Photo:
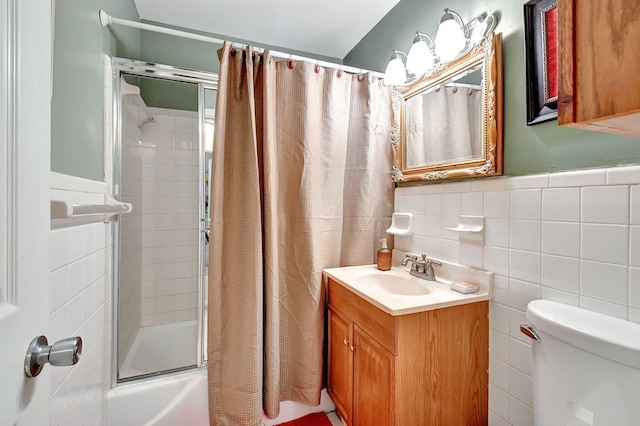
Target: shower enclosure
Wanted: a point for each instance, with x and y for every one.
(162, 158)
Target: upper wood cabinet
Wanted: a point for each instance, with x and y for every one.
(599, 65)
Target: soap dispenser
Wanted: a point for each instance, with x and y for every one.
(384, 256)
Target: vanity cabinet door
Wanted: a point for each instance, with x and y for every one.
(340, 365)
(373, 381)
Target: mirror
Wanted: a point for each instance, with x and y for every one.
(448, 124)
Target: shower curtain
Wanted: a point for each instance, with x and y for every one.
(301, 182)
(450, 119)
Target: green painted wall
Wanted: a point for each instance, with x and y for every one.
(77, 111)
(528, 149)
(185, 53)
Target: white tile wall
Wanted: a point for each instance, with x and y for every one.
(571, 237)
(169, 217)
(80, 264)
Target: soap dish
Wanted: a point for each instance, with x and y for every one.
(401, 224)
(470, 228)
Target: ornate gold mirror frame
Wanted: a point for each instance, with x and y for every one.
(485, 56)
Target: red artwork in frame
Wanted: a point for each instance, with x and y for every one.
(541, 55)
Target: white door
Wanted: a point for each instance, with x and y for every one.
(25, 115)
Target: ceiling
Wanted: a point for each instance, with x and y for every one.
(329, 28)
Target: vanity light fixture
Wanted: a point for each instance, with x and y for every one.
(421, 56)
(453, 39)
(452, 36)
(395, 74)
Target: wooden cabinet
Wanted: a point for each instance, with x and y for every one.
(426, 368)
(598, 60)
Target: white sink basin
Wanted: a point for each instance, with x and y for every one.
(397, 292)
(401, 284)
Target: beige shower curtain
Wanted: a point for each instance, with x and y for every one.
(301, 182)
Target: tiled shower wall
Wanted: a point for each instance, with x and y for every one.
(570, 237)
(169, 226)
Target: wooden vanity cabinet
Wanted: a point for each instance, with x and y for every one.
(598, 65)
(426, 368)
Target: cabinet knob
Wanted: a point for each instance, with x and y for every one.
(345, 342)
(352, 348)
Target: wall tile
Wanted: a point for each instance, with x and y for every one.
(520, 386)
(605, 204)
(605, 243)
(433, 226)
(578, 178)
(525, 235)
(451, 204)
(521, 293)
(526, 204)
(607, 308)
(561, 273)
(499, 373)
(634, 287)
(519, 413)
(496, 232)
(571, 299)
(498, 342)
(525, 266)
(635, 205)
(500, 289)
(605, 281)
(496, 204)
(623, 175)
(521, 356)
(472, 203)
(634, 246)
(585, 254)
(496, 260)
(471, 255)
(561, 238)
(561, 204)
(416, 204)
(527, 182)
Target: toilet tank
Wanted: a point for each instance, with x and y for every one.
(586, 366)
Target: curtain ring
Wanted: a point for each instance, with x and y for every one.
(232, 51)
(339, 73)
(317, 67)
(438, 89)
(455, 89)
(360, 76)
(470, 92)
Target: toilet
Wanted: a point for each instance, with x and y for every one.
(586, 366)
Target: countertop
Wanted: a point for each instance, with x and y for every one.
(441, 296)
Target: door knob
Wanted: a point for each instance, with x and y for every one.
(62, 353)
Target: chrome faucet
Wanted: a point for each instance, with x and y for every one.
(421, 268)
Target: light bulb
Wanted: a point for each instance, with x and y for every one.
(395, 74)
(420, 58)
(450, 38)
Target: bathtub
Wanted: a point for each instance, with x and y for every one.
(166, 400)
(161, 348)
(172, 400)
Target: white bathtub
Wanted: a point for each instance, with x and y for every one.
(169, 400)
(161, 348)
(173, 400)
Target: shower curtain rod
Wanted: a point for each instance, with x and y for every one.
(106, 19)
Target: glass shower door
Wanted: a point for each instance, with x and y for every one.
(162, 261)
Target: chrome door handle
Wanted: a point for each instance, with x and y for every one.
(62, 353)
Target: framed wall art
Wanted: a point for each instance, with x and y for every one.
(541, 55)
